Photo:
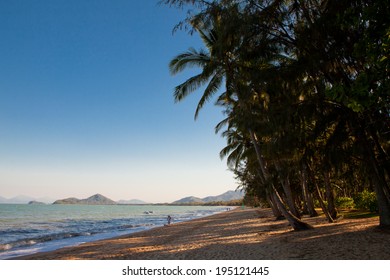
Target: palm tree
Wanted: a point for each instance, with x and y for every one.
(212, 74)
(222, 62)
(328, 84)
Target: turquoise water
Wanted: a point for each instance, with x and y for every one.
(26, 229)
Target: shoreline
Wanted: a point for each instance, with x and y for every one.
(238, 235)
(61, 226)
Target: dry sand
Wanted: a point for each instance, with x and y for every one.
(240, 235)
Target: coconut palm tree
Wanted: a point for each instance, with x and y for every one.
(225, 60)
(211, 76)
(327, 82)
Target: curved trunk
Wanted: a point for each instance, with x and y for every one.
(294, 221)
(380, 187)
(329, 196)
(383, 156)
(285, 182)
(258, 155)
(308, 198)
(319, 196)
(379, 182)
(274, 207)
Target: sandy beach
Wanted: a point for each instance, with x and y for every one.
(239, 235)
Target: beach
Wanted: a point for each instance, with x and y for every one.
(240, 234)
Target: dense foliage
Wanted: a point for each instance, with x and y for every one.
(305, 90)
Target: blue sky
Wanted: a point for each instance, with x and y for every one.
(86, 104)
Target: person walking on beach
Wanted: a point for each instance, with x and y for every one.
(169, 219)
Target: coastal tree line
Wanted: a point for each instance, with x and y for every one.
(304, 87)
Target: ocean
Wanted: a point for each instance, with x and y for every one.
(27, 229)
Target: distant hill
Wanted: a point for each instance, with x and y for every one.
(20, 199)
(132, 201)
(23, 199)
(227, 196)
(188, 199)
(96, 199)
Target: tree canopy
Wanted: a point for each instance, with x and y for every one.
(305, 90)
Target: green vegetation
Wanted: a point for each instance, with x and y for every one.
(237, 202)
(305, 89)
(358, 214)
(366, 201)
(345, 203)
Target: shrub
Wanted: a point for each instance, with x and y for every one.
(366, 201)
(345, 202)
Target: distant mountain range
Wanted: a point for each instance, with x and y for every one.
(227, 196)
(99, 199)
(23, 199)
(131, 201)
(96, 199)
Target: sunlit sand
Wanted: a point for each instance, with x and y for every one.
(240, 234)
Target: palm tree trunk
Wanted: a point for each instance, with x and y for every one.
(274, 207)
(383, 155)
(307, 197)
(319, 196)
(379, 182)
(294, 221)
(258, 155)
(285, 182)
(329, 196)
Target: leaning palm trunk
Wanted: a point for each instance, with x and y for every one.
(378, 180)
(329, 196)
(307, 197)
(285, 182)
(274, 207)
(383, 155)
(294, 221)
(319, 195)
(258, 154)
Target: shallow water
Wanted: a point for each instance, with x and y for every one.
(27, 229)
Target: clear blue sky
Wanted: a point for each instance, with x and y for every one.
(86, 104)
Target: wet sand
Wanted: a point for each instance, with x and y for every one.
(239, 235)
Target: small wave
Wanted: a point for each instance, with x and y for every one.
(5, 247)
(98, 229)
(69, 231)
(32, 241)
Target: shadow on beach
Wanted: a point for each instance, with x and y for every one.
(239, 235)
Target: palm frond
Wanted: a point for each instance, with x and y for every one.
(209, 38)
(221, 125)
(211, 89)
(189, 59)
(189, 86)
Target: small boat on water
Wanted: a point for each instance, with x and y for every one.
(148, 212)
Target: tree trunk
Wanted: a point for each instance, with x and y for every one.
(285, 182)
(379, 182)
(258, 155)
(307, 197)
(384, 157)
(329, 196)
(319, 196)
(274, 207)
(294, 221)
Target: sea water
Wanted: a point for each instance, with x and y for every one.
(27, 229)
